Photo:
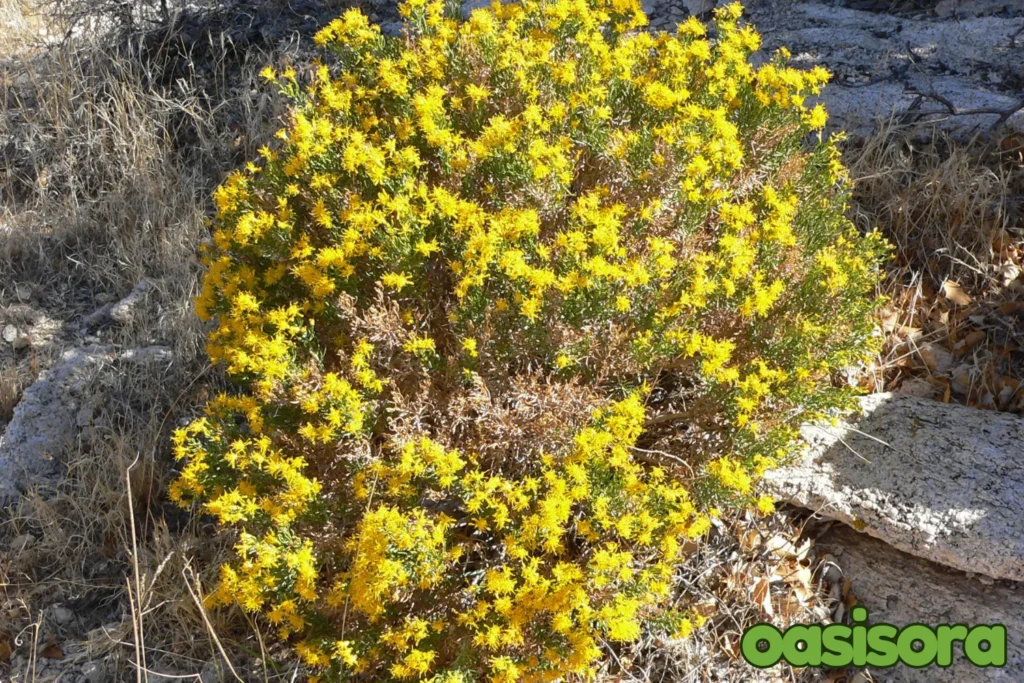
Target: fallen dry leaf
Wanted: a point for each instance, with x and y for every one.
(955, 293)
(688, 548)
(1001, 240)
(784, 548)
(761, 595)
(750, 540)
(1011, 307)
(52, 649)
(972, 339)
(889, 319)
(732, 645)
(799, 576)
(943, 387)
(927, 357)
(962, 381)
(705, 608)
(5, 649)
(849, 597)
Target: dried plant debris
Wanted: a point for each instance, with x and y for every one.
(750, 570)
(954, 324)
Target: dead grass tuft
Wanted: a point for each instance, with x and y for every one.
(954, 326)
(749, 570)
(105, 171)
(105, 175)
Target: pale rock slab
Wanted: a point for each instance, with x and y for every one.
(44, 421)
(941, 481)
(55, 408)
(900, 589)
(124, 311)
(970, 54)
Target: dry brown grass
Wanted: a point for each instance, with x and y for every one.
(21, 28)
(954, 328)
(104, 181)
(105, 171)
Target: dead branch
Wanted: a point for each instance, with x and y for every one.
(1003, 114)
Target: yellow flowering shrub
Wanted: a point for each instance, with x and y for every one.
(484, 270)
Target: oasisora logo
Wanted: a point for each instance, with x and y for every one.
(877, 645)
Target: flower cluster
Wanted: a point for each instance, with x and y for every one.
(458, 223)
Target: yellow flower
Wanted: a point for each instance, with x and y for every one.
(765, 505)
(817, 117)
(396, 281)
(730, 474)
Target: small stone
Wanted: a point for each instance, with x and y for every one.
(698, 7)
(95, 671)
(148, 355)
(469, 5)
(23, 291)
(212, 672)
(97, 317)
(831, 573)
(85, 414)
(124, 310)
(945, 8)
(21, 543)
(937, 359)
(62, 615)
(10, 333)
(915, 386)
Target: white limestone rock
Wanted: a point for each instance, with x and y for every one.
(900, 589)
(941, 481)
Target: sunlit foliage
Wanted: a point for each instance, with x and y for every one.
(452, 297)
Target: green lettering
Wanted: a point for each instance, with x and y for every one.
(810, 638)
(947, 636)
(837, 649)
(860, 646)
(995, 637)
(882, 650)
(753, 637)
(918, 633)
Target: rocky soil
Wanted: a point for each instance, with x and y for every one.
(937, 490)
(941, 488)
(958, 63)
